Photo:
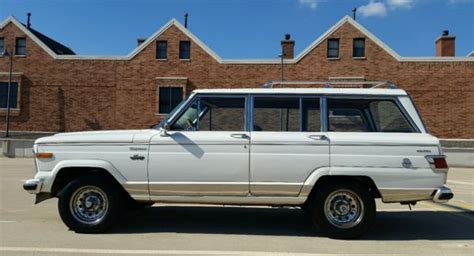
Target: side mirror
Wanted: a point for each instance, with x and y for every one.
(165, 129)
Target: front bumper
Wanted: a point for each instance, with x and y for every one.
(33, 186)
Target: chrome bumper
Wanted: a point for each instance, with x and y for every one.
(442, 194)
(33, 186)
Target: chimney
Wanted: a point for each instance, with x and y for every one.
(140, 41)
(445, 45)
(28, 20)
(287, 47)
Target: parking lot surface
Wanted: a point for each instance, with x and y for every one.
(428, 229)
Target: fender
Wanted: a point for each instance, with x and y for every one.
(100, 164)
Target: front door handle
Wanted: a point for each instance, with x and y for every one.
(240, 136)
(318, 137)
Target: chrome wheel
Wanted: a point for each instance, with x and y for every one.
(89, 204)
(343, 208)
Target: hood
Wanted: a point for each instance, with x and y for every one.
(113, 136)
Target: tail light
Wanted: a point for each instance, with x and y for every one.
(437, 162)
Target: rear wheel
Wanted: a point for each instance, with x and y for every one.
(89, 205)
(343, 210)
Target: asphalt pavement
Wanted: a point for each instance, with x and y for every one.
(428, 229)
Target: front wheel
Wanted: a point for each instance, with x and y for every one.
(89, 205)
(343, 210)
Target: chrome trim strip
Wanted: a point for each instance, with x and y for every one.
(383, 144)
(199, 188)
(230, 200)
(275, 188)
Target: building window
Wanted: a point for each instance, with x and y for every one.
(359, 48)
(184, 50)
(162, 50)
(20, 46)
(169, 98)
(13, 95)
(2, 45)
(333, 48)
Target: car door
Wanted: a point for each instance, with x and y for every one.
(287, 144)
(205, 152)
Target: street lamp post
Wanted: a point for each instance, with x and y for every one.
(10, 54)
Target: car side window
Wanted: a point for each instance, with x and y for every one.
(222, 114)
(388, 117)
(276, 114)
(366, 115)
(213, 114)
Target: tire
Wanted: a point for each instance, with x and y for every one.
(89, 204)
(342, 210)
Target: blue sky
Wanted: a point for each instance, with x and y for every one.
(245, 28)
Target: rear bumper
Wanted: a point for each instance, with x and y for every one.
(33, 186)
(441, 194)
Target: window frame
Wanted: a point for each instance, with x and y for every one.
(16, 110)
(16, 46)
(157, 49)
(338, 48)
(2, 49)
(322, 101)
(395, 99)
(158, 97)
(354, 48)
(180, 50)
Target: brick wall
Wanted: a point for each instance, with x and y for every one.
(75, 95)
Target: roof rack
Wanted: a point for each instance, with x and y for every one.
(333, 84)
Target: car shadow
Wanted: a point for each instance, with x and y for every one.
(392, 225)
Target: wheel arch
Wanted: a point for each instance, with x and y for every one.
(65, 171)
(317, 179)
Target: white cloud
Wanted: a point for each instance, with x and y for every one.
(460, 1)
(313, 4)
(373, 8)
(402, 4)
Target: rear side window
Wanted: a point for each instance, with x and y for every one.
(366, 115)
(286, 114)
(276, 114)
(388, 118)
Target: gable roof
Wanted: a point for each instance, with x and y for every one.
(52, 44)
(471, 54)
(196, 40)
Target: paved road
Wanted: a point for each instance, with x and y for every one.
(429, 229)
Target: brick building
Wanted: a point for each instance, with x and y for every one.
(56, 90)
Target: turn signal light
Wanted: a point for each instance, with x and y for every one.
(44, 155)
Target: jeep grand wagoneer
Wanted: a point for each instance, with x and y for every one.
(330, 151)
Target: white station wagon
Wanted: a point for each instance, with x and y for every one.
(331, 151)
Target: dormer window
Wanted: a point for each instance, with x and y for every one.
(333, 48)
(358, 48)
(20, 46)
(184, 50)
(161, 50)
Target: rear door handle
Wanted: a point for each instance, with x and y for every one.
(318, 137)
(240, 136)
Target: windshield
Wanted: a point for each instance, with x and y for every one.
(160, 124)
